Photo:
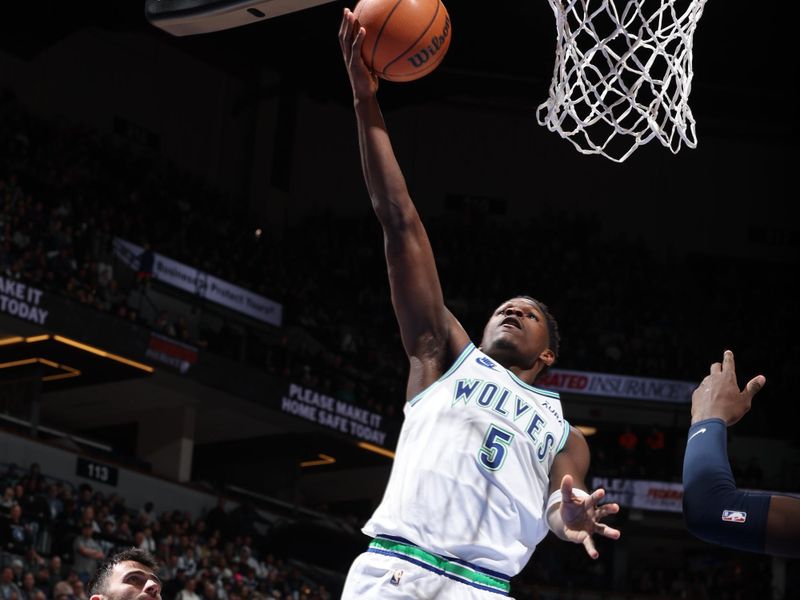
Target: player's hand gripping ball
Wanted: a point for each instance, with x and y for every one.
(406, 39)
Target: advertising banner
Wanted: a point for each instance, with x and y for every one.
(642, 494)
(22, 301)
(338, 415)
(618, 386)
(178, 355)
(204, 285)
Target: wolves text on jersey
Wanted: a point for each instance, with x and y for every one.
(504, 402)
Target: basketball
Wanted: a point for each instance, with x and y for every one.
(406, 39)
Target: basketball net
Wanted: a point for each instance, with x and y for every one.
(622, 78)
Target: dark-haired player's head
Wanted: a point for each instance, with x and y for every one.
(126, 575)
(522, 332)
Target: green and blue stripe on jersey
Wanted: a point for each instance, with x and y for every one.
(452, 568)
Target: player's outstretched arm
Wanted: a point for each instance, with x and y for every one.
(714, 509)
(573, 514)
(429, 332)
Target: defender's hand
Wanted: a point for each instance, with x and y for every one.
(718, 395)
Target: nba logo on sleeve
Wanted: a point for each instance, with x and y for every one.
(734, 516)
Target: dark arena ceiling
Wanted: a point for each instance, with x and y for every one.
(501, 53)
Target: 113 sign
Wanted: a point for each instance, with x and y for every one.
(97, 471)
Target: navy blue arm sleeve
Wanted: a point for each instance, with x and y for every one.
(714, 510)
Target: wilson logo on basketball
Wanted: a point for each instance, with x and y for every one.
(437, 41)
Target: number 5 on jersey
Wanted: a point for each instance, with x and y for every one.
(493, 452)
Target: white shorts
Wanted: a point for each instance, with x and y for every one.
(391, 571)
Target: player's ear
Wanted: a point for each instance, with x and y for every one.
(548, 357)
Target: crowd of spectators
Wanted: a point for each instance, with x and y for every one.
(53, 535)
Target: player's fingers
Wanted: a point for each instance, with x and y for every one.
(754, 386)
(566, 487)
(607, 531)
(347, 23)
(344, 30)
(588, 543)
(359, 40)
(715, 368)
(595, 497)
(606, 509)
(728, 364)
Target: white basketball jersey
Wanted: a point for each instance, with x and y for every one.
(471, 473)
